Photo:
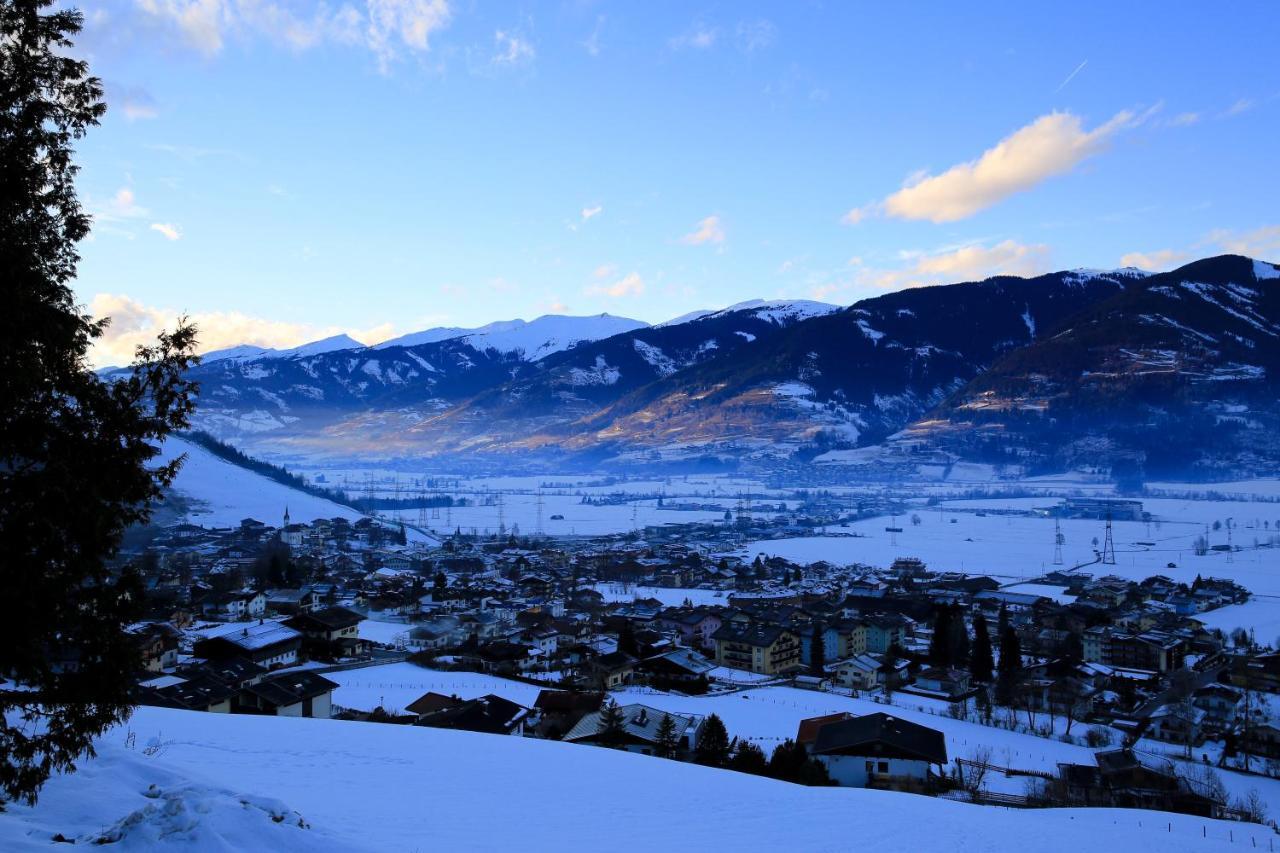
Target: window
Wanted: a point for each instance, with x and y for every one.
(884, 767)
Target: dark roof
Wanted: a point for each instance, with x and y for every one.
(489, 714)
(290, 688)
(568, 700)
(807, 733)
(329, 619)
(754, 635)
(882, 735)
(430, 702)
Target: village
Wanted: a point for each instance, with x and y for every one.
(903, 678)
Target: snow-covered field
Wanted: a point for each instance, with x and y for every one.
(213, 782)
(1013, 547)
(670, 596)
(767, 715)
(222, 494)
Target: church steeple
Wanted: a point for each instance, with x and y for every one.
(286, 517)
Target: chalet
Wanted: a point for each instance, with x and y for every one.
(677, 667)
(486, 714)
(610, 671)
(879, 750)
(293, 601)
(694, 628)
(333, 632)
(860, 672)
(1123, 778)
(289, 694)
(559, 711)
(268, 644)
(942, 683)
(883, 631)
(234, 606)
(640, 726)
(766, 649)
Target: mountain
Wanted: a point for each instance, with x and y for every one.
(534, 339)
(249, 352)
(1178, 372)
(1070, 368)
(543, 407)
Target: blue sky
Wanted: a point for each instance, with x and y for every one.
(284, 170)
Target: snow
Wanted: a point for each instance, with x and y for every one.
(222, 493)
(1020, 547)
(221, 781)
(1263, 270)
(534, 339)
(669, 596)
(1260, 615)
(1030, 321)
(330, 344)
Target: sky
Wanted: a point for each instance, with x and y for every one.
(283, 171)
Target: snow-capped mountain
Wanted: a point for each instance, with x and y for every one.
(1180, 371)
(534, 339)
(1192, 348)
(249, 352)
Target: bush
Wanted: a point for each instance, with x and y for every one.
(1098, 737)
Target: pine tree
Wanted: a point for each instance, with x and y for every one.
(748, 758)
(77, 452)
(713, 745)
(940, 642)
(667, 740)
(627, 639)
(817, 651)
(981, 661)
(1010, 666)
(611, 728)
(958, 637)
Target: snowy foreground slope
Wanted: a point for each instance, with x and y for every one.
(221, 493)
(268, 783)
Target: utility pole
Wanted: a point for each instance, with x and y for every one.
(1231, 558)
(1108, 546)
(1058, 540)
(538, 527)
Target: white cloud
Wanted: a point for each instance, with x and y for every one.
(1162, 259)
(1241, 106)
(591, 212)
(384, 27)
(134, 324)
(709, 230)
(592, 42)
(697, 37)
(511, 49)
(200, 23)
(751, 36)
(1052, 145)
(1184, 119)
(168, 230)
(1261, 243)
(966, 263)
(630, 284)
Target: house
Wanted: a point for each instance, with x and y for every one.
(268, 644)
(860, 672)
(678, 667)
(640, 726)
(558, 711)
(333, 632)
(1219, 703)
(610, 671)
(1176, 723)
(487, 714)
(807, 731)
(212, 686)
(157, 645)
(942, 683)
(292, 601)
(234, 606)
(766, 649)
(1124, 778)
(880, 750)
(289, 694)
(883, 631)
